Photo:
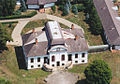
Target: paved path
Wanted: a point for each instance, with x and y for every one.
(61, 77)
(16, 34)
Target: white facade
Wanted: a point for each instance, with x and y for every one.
(57, 62)
(33, 6)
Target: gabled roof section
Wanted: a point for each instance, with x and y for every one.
(54, 34)
(39, 2)
(108, 18)
(30, 36)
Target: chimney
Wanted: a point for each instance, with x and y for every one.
(36, 41)
(76, 37)
(33, 30)
(72, 26)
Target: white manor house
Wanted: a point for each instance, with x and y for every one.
(55, 47)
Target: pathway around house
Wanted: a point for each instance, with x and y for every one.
(16, 34)
(61, 77)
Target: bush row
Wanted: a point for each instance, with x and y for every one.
(19, 16)
(10, 22)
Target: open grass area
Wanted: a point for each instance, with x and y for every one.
(9, 27)
(113, 60)
(9, 70)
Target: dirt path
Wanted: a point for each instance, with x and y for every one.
(61, 77)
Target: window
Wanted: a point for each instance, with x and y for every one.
(38, 59)
(53, 58)
(63, 64)
(76, 61)
(83, 60)
(38, 65)
(69, 57)
(83, 55)
(53, 65)
(76, 55)
(32, 66)
(32, 60)
(63, 57)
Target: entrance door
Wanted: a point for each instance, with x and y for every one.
(58, 63)
(70, 57)
(45, 59)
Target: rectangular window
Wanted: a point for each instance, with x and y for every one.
(76, 61)
(32, 66)
(63, 57)
(38, 59)
(76, 55)
(69, 57)
(53, 58)
(83, 55)
(38, 65)
(32, 60)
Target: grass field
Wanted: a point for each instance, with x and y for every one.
(9, 70)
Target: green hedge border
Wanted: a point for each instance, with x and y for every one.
(19, 16)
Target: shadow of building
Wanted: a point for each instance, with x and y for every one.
(20, 57)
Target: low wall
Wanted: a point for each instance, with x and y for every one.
(100, 48)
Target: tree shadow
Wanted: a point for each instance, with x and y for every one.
(83, 81)
(20, 58)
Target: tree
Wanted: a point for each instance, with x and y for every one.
(23, 7)
(75, 10)
(53, 8)
(7, 7)
(66, 10)
(3, 37)
(98, 72)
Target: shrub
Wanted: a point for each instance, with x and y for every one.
(66, 9)
(80, 7)
(19, 16)
(53, 8)
(17, 12)
(98, 72)
(75, 10)
(10, 22)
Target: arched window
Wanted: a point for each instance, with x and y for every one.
(38, 59)
(63, 57)
(32, 60)
(53, 58)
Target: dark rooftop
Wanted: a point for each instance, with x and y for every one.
(108, 18)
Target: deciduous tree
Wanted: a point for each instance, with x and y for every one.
(98, 72)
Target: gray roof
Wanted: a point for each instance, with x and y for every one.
(76, 45)
(36, 50)
(39, 2)
(50, 37)
(108, 18)
(30, 36)
(42, 47)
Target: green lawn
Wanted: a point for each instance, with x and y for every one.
(9, 70)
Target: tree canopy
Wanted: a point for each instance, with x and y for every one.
(3, 37)
(7, 7)
(98, 72)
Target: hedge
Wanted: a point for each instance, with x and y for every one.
(10, 22)
(19, 16)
